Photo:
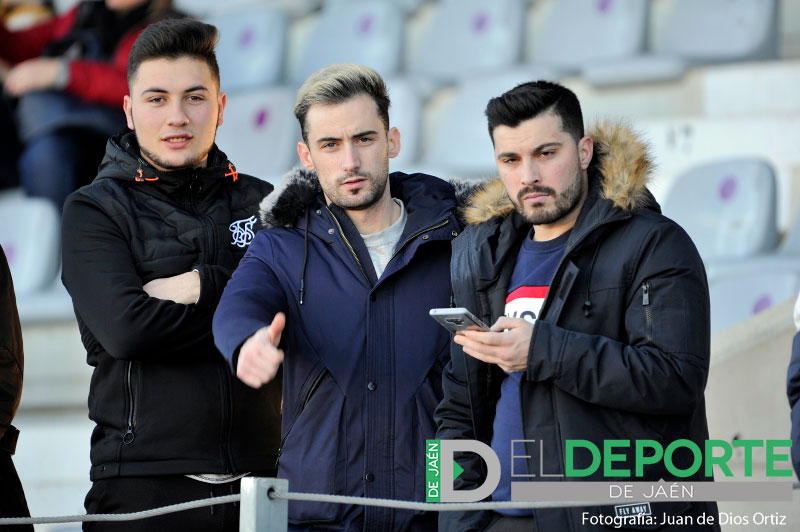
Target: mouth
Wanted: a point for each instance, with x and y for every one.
(354, 182)
(177, 141)
(534, 198)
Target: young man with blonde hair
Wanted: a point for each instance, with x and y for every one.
(338, 288)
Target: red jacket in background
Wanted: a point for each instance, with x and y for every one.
(92, 81)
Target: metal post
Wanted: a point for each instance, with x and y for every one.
(259, 513)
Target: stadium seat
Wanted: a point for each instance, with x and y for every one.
(460, 146)
(260, 132)
(467, 37)
(30, 236)
(251, 47)
(365, 32)
(404, 114)
(727, 207)
(743, 289)
(571, 34)
(692, 32)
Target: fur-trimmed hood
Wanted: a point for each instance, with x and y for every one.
(620, 157)
(300, 189)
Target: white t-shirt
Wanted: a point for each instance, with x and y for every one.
(381, 245)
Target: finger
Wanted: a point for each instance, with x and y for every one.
(276, 328)
(485, 350)
(504, 322)
(488, 338)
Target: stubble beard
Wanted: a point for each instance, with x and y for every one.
(564, 203)
(376, 186)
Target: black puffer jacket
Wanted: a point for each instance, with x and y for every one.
(620, 350)
(11, 359)
(162, 397)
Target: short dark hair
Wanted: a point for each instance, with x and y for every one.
(531, 99)
(172, 38)
(337, 84)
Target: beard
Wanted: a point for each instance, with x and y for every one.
(563, 203)
(190, 162)
(365, 197)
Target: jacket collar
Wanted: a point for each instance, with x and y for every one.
(427, 199)
(124, 162)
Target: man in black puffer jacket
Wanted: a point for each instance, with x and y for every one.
(148, 248)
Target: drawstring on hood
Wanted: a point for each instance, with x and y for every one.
(587, 305)
(305, 260)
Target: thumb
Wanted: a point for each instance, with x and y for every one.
(276, 328)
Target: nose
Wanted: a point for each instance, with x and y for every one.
(530, 172)
(350, 159)
(177, 116)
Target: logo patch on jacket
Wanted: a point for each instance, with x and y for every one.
(242, 231)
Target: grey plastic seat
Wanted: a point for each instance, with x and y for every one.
(366, 32)
(467, 37)
(727, 207)
(260, 133)
(30, 236)
(571, 34)
(251, 47)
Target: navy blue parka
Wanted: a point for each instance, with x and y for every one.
(363, 360)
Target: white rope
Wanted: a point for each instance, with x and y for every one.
(425, 506)
(163, 510)
(314, 497)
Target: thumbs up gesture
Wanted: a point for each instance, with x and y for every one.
(259, 357)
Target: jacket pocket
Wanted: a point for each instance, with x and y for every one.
(313, 453)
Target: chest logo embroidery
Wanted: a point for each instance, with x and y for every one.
(242, 231)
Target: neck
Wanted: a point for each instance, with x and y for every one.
(543, 233)
(376, 218)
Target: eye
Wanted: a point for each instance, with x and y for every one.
(156, 99)
(547, 154)
(195, 98)
(329, 145)
(364, 140)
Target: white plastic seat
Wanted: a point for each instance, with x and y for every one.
(30, 236)
(368, 33)
(727, 207)
(461, 145)
(740, 290)
(467, 37)
(693, 32)
(404, 114)
(260, 133)
(251, 47)
(571, 34)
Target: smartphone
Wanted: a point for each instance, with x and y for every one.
(457, 319)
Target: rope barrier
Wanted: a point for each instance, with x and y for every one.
(163, 510)
(313, 497)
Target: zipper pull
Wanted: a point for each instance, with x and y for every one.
(129, 436)
(645, 294)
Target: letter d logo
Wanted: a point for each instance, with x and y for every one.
(448, 447)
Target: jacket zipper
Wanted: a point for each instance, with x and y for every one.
(129, 435)
(347, 243)
(648, 310)
(415, 235)
(299, 410)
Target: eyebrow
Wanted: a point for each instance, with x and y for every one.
(159, 90)
(536, 151)
(357, 135)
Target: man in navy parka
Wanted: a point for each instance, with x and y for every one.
(338, 288)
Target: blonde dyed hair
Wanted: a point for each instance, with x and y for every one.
(337, 84)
